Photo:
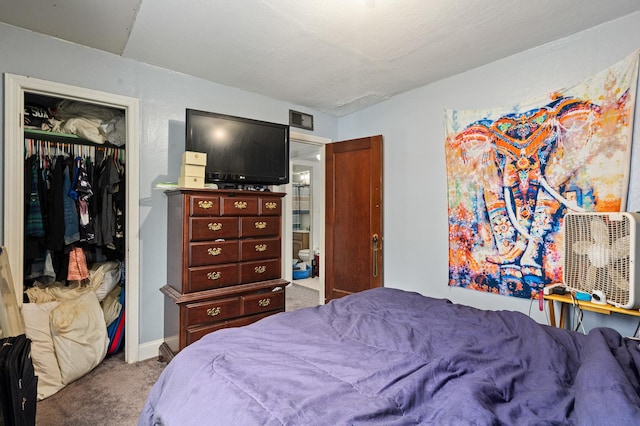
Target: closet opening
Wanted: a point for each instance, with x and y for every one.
(68, 153)
(74, 264)
(74, 185)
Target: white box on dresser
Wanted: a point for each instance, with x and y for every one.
(195, 158)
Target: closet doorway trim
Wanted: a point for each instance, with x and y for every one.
(15, 88)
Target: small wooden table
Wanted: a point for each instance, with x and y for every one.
(566, 301)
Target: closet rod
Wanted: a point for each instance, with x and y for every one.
(36, 146)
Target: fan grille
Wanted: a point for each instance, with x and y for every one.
(599, 254)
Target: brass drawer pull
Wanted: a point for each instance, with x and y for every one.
(261, 247)
(240, 205)
(214, 275)
(205, 204)
(260, 269)
(271, 205)
(264, 302)
(212, 312)
(214, 251)
(215, 226)
(261, 225)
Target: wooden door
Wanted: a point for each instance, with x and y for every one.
(353, 246)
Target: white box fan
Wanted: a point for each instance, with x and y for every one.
(600, 255)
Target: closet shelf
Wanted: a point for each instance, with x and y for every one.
(64, 138)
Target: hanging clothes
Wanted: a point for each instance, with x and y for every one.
(69, 201)
(78, 269)
(34, 252)
(108, 184)
(55, 230)
(81, 191)
(34, 224)
(119, 206)
(71, 222)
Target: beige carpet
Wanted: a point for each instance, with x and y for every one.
(298, 296)
(115, 392)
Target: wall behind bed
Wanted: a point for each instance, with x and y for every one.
(415, 198)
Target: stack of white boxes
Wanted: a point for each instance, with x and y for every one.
(192, 170)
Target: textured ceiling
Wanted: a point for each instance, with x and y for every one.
(335, 56)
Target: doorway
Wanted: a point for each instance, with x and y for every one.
(15, 89)
(304, 213)
(304, 246)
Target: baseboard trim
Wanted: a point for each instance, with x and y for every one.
(166, 354)
(149, 350)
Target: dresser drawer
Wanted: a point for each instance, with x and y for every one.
(259, 226)
(259, 248)
(239, 206)
(209, 277)
(262, 302)
(270, 206)
(196, 333)
(213, 253)
(213, 228)
(213, 310)
(261, 270)
(203, 205)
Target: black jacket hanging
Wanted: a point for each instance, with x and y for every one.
(55, 230)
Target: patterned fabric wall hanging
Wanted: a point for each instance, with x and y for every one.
(512, 174)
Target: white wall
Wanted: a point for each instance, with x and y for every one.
(415, 199)
(163, 95)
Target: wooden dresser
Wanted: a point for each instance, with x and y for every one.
(223, 262)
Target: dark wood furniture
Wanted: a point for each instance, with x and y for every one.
(223, 262)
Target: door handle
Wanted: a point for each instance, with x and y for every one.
(375, 242)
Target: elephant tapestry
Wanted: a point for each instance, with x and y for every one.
(512, 174)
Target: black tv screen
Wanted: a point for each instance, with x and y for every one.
(239, 150)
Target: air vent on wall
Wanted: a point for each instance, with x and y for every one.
(301, 120)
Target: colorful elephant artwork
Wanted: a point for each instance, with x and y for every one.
(513, 174)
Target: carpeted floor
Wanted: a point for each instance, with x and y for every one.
(115, 392)
(298, 296)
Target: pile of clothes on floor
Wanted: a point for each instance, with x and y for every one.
(74, 325)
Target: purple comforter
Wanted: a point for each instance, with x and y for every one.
(391, 357)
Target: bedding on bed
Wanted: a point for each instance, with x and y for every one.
(392, 357)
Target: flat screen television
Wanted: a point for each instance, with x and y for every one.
(240, 151)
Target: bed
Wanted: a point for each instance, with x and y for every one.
(392, 357)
